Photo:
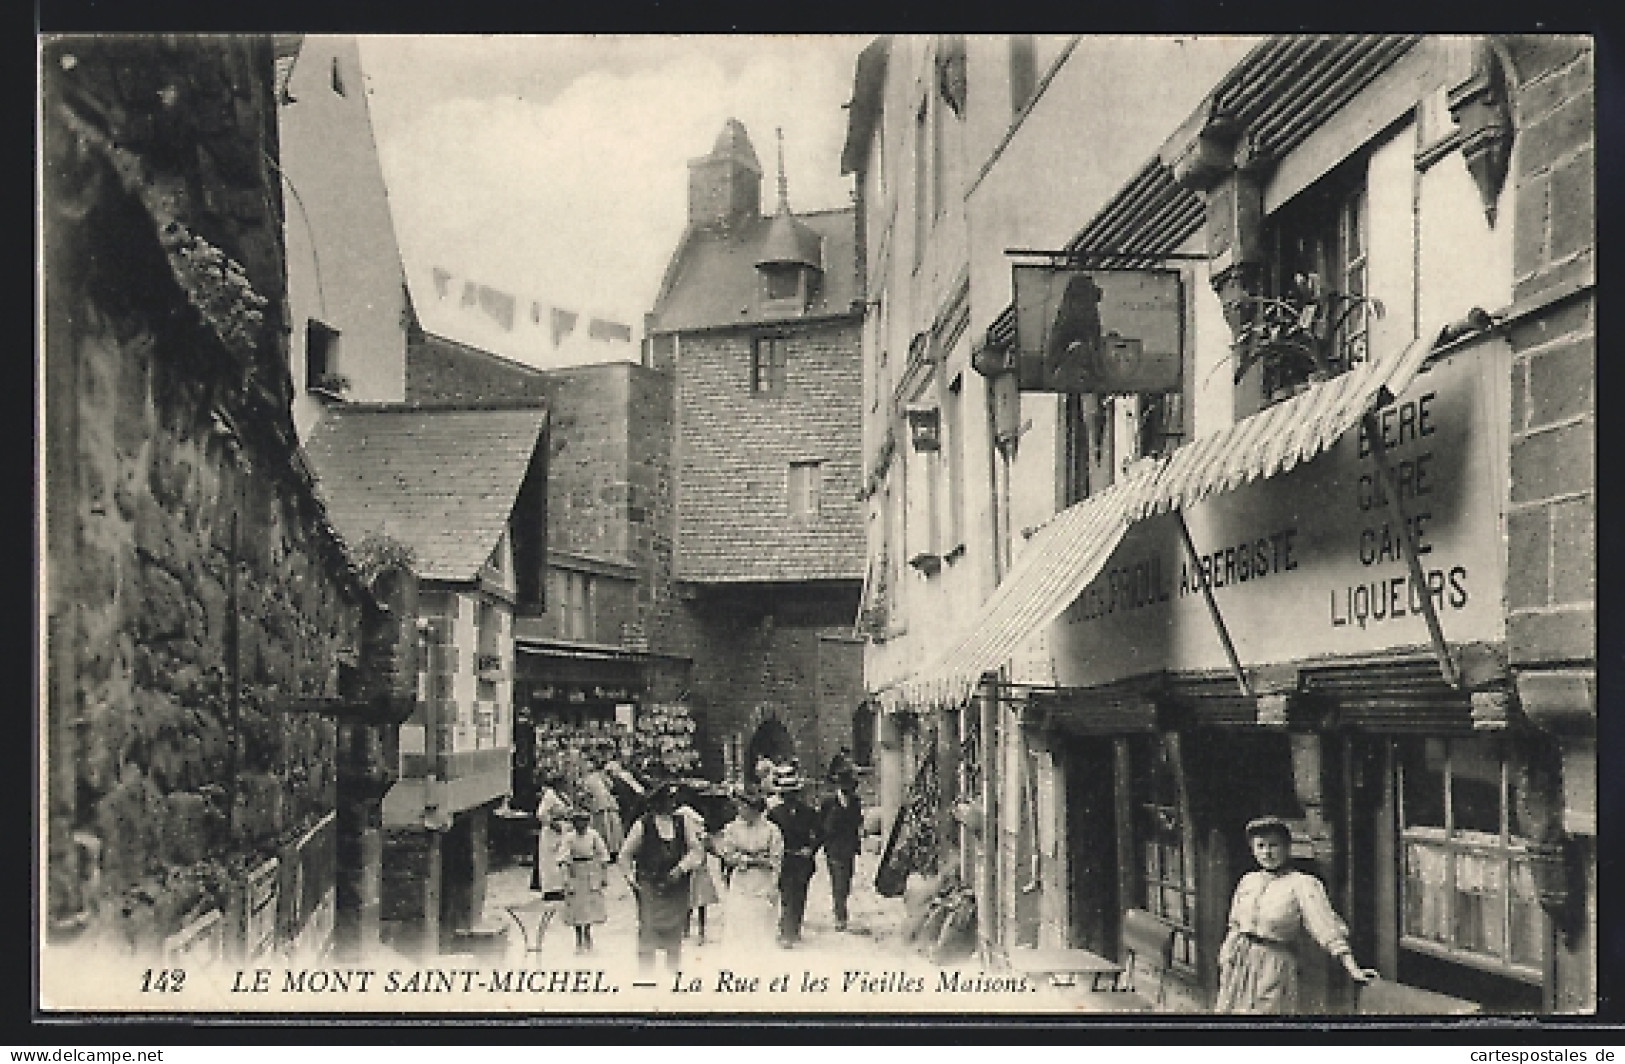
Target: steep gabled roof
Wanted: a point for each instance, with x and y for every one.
(712, 279)
(441, 480)
(863, 111)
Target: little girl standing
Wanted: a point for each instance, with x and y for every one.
(586, 861)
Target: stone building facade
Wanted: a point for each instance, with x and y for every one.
(1256, 575)
(605, 635)
(210, 644)
(758, 325)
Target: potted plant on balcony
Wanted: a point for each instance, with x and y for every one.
(1293, 334)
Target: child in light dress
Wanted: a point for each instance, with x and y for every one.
(585, 858)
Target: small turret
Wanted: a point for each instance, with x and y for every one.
(791, 260)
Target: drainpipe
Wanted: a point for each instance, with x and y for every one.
(987, 915)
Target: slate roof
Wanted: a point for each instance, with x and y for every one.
(712, 280)
(442, 480)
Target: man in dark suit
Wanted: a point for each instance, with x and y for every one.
(841, 818)
(798, 822)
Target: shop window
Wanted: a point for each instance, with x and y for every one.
(1468, 885)
(768, 359)
(1166, 871)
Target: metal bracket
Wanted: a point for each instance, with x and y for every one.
(1212, 606)
(1441, 650)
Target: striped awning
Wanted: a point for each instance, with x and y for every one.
(1275, 440)
(1071, 549)
(1060, 559)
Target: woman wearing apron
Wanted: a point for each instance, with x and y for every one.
(657, 857)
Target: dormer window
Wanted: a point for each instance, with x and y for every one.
(791, 259)
(780, 281)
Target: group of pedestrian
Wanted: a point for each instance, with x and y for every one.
(836, 827)
(764, 856)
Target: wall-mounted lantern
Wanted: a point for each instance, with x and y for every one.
(924, 426)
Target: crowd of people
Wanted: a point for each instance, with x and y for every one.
(751, 853)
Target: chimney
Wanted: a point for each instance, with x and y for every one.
(725, 187)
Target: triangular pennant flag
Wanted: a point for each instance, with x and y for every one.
(564, 322)
(498, 305)
(598, 329)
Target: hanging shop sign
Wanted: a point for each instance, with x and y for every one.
(1311, 563)
(1104, 331)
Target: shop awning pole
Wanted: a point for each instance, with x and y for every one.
(1396, 506)
(1212, 606)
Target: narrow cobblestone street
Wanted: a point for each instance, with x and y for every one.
(867, 968)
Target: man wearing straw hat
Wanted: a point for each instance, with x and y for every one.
(798, 824)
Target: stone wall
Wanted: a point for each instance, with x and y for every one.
(1552, 522)
(735, 447)
(193, 584)
(779, 653)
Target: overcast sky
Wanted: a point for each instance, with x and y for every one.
(555, 168)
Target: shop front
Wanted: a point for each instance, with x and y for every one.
(576, 706)
(1275, 648)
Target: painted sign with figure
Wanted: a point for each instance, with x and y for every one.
(1105, 331)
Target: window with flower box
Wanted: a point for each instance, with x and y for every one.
(1468, 891)
(1306, 315)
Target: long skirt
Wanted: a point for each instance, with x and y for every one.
(584, 894)
(662, 911)
(548, 875)
(1256, 976)
(702, 886)
(751, 913)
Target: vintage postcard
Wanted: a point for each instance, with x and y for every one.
(911, 524)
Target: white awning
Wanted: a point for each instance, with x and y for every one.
(1274, 440)
(1071, 549)
(1060, 559)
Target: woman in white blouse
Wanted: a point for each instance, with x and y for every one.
(1273, 909)
(752, 850)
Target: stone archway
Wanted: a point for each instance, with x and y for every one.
(771, 739)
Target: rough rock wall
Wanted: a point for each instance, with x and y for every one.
(187, 557)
